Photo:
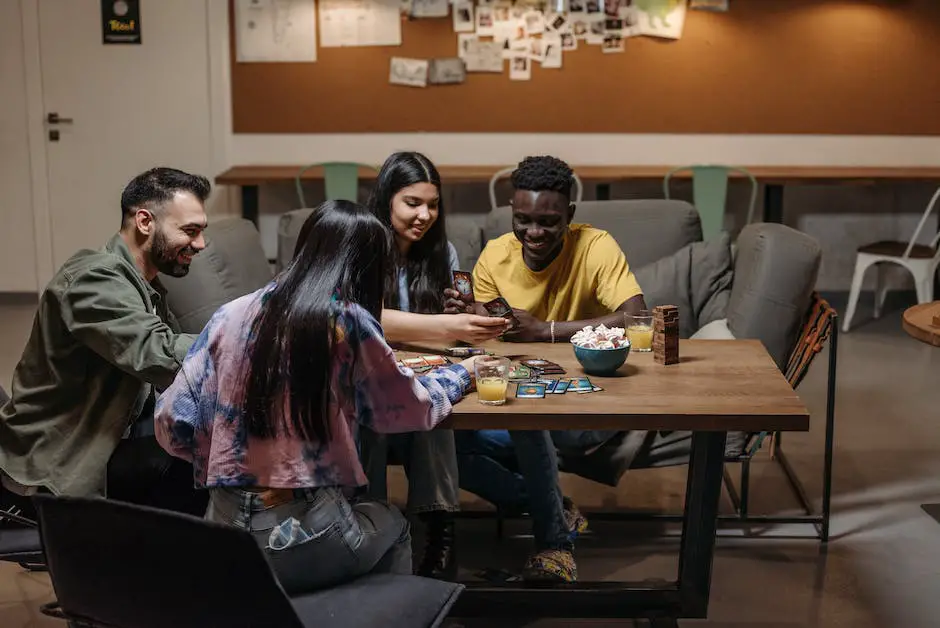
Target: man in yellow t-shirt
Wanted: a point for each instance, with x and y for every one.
(558, 277)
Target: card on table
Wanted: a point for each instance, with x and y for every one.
(581, 383)
(561, 387)
(519, 373)
(415, 362)
(465, 352)
(435, 360)
(544, 367)
(550, 385)
(530, 391)
(463, 283)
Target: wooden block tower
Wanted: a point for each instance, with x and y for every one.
(666, 334)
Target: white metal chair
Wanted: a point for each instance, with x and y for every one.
(505, 172)
(920, 259)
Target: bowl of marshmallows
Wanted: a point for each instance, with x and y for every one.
(601, 350)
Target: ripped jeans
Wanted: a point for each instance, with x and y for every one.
(317, 539)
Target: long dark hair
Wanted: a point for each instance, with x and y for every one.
(342, 255)
(427, 262)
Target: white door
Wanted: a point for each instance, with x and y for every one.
(132, 107)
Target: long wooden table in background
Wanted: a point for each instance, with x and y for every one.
(774, 178)
(718, 386)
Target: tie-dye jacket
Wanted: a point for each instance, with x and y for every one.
(198, 417)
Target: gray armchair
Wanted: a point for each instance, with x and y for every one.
(232, 265)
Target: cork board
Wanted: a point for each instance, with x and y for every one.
(868, 67)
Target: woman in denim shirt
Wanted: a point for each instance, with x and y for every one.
(270, 399)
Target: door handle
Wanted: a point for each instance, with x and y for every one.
(53, 118)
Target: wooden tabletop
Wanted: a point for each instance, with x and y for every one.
(256, 175)
(923, 322)
(719, 385)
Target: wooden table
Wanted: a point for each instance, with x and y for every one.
(718, 386)
(923, 322)
(248, 178)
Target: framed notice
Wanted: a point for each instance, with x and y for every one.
(120, 22)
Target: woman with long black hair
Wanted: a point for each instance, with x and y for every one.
(407, 199)
(269, 400)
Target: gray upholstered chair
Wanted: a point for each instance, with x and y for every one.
(232, 265)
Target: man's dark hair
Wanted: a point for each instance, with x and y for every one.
(157, 186)
(543, 174)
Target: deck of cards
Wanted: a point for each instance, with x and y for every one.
(544, 367)
(424, 363)
(541, 387)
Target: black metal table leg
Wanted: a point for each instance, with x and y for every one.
(773, 202)
(703, 490)
(250, 203)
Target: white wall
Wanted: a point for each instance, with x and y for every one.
(17, 241)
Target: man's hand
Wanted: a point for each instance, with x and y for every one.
(453, 304)
(472, 328)
(529, 329)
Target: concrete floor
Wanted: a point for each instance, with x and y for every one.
(882, 567)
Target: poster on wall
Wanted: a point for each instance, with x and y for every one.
(275, 30)
(120, 22)
(360, 23)
(660, 18)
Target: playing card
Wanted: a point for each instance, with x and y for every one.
(530, 391)
(414, 362)
(581, 383)
(538, 363)
(519, 373)
(561, 387)
(465, 352)
(550, 385)
(463, 283)
(435, 360)
(499, 308)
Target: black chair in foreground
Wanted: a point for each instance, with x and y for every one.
(119, 565)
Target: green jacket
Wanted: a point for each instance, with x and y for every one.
(101, 339)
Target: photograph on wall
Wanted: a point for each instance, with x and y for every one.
(520, 68)
(485, 21)
(276, 31)
(484, 56)
(709, 5)
(595, 34)
(551, 50)
(410, 72)
(569, 42)
(612, 43)
(660, 18)
(594, 7)
(463, 40)
(580, 27)
(463, 18)
(576, 6)
(558, 23)
(534, 22)
(429, 8)
(448, 71)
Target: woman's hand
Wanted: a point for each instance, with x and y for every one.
(453, 304)
(472, 328)
(469, 364)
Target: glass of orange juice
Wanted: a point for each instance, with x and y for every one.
(492, 379)
(639, 327)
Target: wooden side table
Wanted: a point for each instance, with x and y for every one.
(923, 322)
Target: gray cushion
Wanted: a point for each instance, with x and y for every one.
(646, 230)
(697, 279)
(465, 233)
(232, 265)
(288, 229)
(775, 275)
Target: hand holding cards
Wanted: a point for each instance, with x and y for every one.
(499, 308)
(463, 284)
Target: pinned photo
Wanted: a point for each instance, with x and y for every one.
(534, 22)
(463, 18)
(576, 6)
(613, 26)
(612, 43)
(580, 28)
(612, 7)
(569, 41)
(520, 68)
(485, 22)
(593, 7)
(557, 23)
(551, 51)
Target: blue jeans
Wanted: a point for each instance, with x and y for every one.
(517, 471)
(318, 539)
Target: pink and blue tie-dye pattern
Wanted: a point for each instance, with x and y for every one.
(198, 418)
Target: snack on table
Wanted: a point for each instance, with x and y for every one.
(602, 337)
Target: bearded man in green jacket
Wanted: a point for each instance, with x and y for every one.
(80, 417)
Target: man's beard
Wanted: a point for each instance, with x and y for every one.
(165, 259)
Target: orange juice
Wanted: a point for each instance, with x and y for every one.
(492, 390)
(641, 337)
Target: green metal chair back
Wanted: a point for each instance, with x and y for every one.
(710, 193)
(341, 179)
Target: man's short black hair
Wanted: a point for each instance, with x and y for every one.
(157, 186)
(542, 174)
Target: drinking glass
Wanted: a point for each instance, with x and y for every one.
(639, 327)
(492, 379)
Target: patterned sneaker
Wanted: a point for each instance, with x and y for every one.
(576, 522)
(550, 566)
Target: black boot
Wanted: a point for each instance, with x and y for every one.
(440, 551)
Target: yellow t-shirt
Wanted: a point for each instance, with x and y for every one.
(588, 279)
